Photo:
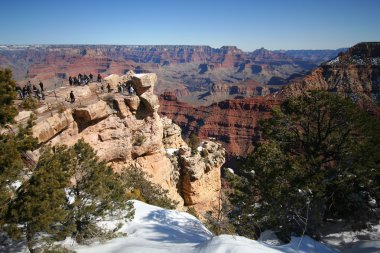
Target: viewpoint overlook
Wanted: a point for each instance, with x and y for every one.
(181, 116)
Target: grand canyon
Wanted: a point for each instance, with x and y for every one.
(215, 93)
(189, 76)
(199, 75)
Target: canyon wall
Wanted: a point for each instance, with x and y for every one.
(355, 74)
(186, 70)
(231, 122)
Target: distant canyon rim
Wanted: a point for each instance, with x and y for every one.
(216, 93)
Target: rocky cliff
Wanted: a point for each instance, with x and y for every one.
(126, 131)
(231, 122)
(355, 73)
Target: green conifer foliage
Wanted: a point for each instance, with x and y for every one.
(7, 94)
(320, 159)
(13, 145)
(69, 191)
(40, 205)
(139, 187)
(97, 191)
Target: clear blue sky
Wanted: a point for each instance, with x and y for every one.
(250, 24)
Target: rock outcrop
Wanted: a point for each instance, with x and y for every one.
(355, 73)
(172, 134)
(200, 175)
(52, 126)
(97, 111)
(127, 131)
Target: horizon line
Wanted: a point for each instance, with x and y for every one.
(174, 45)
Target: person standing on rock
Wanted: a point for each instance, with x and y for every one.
(91, 77)
(41, 86)
(35, 91)
(109, 88)
(131, 90)
(24, 92)
(99, 78)
(19, 92)
(29, 88)
(72, 97)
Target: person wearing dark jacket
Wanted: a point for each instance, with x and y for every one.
(41, 86)
(72, 97)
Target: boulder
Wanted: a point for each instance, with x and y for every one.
(121, 107)
(92, 112)
(113, 80)
(23, 116)
(132, 102)
(47, 129)
(151, 103)
(144, 83)
(171, 134)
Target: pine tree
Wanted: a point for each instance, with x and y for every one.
(7, 94)
(13, 146)
(139, 187)
(69, 191)
(40, 205)
(320, 159)
(97, 192)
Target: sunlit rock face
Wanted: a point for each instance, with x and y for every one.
(127, 131)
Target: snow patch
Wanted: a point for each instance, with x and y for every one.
(230, 170)
(139, 75)
(16, 184)
(200, 147)
(333, 61)
(157, 230)
(171, 151)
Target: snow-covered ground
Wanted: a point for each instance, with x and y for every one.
(348, 241)
(157, 230)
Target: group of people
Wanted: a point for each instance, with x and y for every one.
(29, 90)
(121, 88)
(127, 86)
(83, 79)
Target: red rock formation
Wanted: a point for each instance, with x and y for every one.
(355, 73)
(54, 64)
(232, 122)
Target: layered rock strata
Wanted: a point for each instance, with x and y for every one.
(127, 132)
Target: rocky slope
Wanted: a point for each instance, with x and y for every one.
(127, 132)
(355, 73)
